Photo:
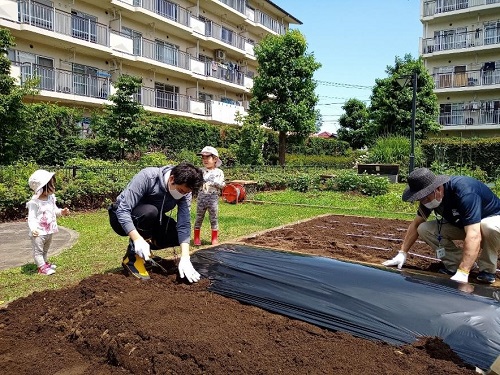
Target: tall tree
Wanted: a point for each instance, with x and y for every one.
(283, 90)
(355, 127)
(123, 125)
(14, 126)
(391, 104)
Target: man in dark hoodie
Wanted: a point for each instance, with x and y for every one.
(142, 212)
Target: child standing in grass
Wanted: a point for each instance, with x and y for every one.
(42, 212)
(208, 196)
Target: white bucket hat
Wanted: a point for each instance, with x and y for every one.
(209, 150)
(38, 180)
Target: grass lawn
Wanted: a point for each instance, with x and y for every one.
(100, 250)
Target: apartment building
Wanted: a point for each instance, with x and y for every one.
(461, 49)
(196, 58)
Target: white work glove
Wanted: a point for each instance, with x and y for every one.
(398, 260)
(460, 276)
(141, 248)
(186, 269)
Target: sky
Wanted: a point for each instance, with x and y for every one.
(354, 41)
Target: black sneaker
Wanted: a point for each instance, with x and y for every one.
(446, 271)
(486, 277)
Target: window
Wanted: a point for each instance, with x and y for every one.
(227, 35)
(166, 96)
(83, 26)
(39, 14)
(85, 80)
(492, 33)
(166, 52)
(136, 40)
(167, 9)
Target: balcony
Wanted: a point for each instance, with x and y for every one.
(270, 23)
(471, 78)
(237, 5)
(434, 7)
(467, 117)
(169, 11)
(450, 41)
(48, 18)
(66, 82)
(225, 35)
(224, 72)
(211, 110)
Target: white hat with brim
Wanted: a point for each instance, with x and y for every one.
(38, 180)
(209, 150)
(422, 182)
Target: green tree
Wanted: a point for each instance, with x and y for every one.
(251, 142)
(123, 125)
(355, 127)
(283, 90)
(391, 104)
(14, 127)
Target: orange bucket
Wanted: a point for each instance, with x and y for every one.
(234, 193)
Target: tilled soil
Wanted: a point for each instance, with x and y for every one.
(113, 324)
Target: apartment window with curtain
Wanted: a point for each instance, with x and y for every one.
(492, 32)
(85, 80)
(83, 26)
(167, 9)
(166, 53)
(227, 35)
(166, 96)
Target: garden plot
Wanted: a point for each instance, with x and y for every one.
(112, 324)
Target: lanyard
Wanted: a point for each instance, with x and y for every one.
(439, 221)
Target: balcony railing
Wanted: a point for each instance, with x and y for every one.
(163, 53)
(162, 99)
(269, 22)
(442, 6)
(466, 79)
(224, 72)
(48, 18)
(63, 81)
(164, 8)
(225, 35)
(238, 5)
(469, 117)
(453, 41)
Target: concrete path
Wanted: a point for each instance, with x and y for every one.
(15, 245)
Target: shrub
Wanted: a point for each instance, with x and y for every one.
(373, 185)
(300, 182)
(347, 181)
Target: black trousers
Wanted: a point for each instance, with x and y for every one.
(146, 219)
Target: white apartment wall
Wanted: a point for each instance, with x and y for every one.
(108, 59)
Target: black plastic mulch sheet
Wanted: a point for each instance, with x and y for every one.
(368, 302)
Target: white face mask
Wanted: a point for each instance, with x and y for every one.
(433, 203)
(175, 193)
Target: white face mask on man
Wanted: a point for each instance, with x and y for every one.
(175, 193)
(433, 203)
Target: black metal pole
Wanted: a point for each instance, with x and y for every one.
(413, 109)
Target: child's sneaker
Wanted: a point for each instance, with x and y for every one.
(46, 270)
(53, 266)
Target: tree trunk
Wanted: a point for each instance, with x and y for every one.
(282, 148)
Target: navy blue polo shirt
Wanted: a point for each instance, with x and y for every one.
(466, 201)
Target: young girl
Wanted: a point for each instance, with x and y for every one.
(42, 211)
(208, 196)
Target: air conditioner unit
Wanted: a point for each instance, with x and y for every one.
(220, 54)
